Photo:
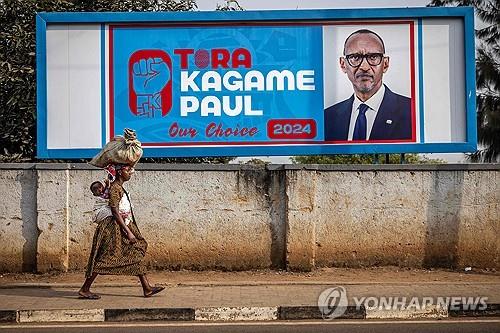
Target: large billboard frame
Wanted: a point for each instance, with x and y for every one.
(281, 16)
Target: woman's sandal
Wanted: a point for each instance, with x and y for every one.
(154, 290)
(88, 296)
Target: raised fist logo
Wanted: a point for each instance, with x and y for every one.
(150, 83)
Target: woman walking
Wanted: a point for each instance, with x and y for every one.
(118, 247)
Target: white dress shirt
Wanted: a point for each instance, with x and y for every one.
(373, 106)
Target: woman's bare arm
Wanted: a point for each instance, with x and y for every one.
(121, 223)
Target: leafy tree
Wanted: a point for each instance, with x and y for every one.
(134, 5)
(17, 75)
(487, 75)
(182, 160)
(18, 71)
(256, 161)
(229, 5)
(362, 159)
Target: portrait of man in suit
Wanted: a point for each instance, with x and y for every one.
(374, 111)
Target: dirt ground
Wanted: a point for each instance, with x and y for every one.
(325, 275)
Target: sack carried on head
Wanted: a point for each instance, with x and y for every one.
(124, 149)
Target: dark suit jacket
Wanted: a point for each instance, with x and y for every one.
(394, 107)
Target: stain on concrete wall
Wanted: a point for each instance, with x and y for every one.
(30, 232)
(277, 198)
(18, 228)
(53, 220)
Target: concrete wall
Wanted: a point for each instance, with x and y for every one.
(418, 218)
(239, 217)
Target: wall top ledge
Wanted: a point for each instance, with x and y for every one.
(396, 167)
(270, 167)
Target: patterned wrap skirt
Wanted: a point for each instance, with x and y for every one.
(113, 254)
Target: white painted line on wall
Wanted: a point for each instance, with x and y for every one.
(38, 316)
(430, 311)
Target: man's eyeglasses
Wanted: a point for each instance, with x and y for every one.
(355, 59)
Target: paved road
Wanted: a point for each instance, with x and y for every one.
(443, 326)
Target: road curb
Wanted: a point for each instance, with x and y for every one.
(228, 314)
(67, 315)
(313, 312)
(236, 313)
(428, 312)
(8, 316)
(168, 314)
(492, 310)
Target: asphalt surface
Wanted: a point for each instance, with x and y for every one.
(441, 326)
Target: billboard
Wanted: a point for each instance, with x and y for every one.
(257, 83)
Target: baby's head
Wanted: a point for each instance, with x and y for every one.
(97, 188)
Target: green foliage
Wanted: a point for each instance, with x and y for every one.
(183, 160)
(363, 159)
(229, 5)
(18, 77)
(256, 161)
(18, 72)
(487, 75)
(134, 5)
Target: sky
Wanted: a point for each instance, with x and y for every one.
(207, 5)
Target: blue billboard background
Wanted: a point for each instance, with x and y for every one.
(292, 48)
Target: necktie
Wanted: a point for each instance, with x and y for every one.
(360, 126)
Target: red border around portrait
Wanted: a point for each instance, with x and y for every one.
(111, 111)
(412, 85)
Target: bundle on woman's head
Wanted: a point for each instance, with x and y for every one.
(124, 150)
